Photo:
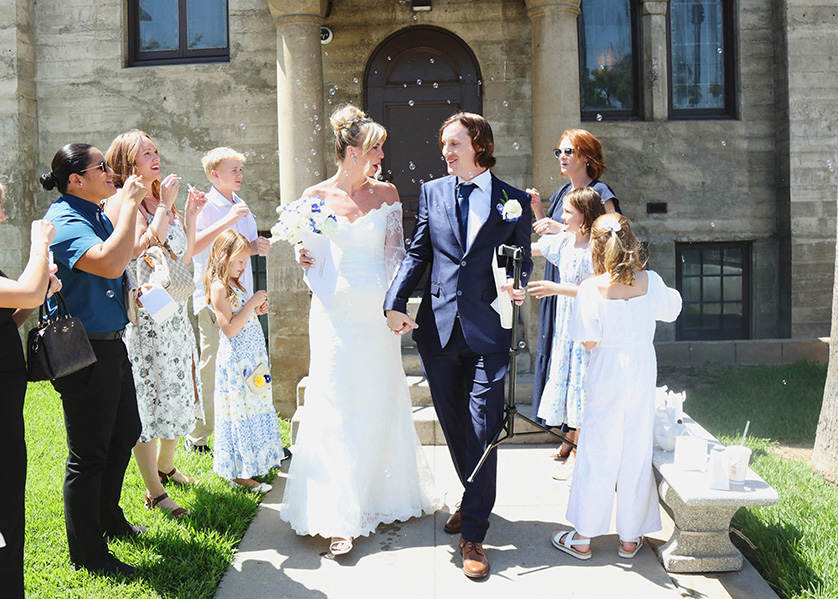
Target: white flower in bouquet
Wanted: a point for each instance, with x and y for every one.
(306, 214)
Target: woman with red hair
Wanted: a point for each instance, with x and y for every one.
(580, 159)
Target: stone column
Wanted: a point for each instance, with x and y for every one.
(555, 106)
(655, 71)
(299, 89)
(555, 84)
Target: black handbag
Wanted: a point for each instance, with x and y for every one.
(57, 346)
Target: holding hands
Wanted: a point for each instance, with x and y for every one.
(399, 322)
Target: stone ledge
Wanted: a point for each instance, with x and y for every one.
(767, 352)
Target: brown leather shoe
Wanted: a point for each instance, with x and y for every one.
(452, 525)
(475, 564)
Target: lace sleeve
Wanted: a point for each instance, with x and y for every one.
(394, 241)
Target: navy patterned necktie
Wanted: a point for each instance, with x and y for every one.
(463, 192)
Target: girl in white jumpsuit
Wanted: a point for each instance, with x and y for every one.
(615, 314)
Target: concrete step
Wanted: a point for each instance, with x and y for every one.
(424, 415)
(412, 364)
(420, 393)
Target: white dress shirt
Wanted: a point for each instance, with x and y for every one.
(479, 203)
(217, 208)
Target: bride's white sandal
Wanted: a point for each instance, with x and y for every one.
(340, 546)
(563, 541)
(630, 554)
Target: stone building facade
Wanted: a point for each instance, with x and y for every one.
(761, 176)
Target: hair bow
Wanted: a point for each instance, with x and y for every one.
(612, 226)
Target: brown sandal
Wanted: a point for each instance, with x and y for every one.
(155, 502)
(165, 477)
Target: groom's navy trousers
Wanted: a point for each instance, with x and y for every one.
(464, 349)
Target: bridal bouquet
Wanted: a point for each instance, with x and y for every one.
(306, 214)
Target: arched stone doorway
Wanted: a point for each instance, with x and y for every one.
(414, 80)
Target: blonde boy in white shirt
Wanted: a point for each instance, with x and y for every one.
(224, 210)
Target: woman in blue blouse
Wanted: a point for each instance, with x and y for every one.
(100, 405)
(580, 158)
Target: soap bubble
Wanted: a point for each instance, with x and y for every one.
(724, 143)
(599, 117)
(432, 61)
(313, 152)
(109, 293)
(354, 80)
(505, 103)
(418, 82)
(410, 102)
(516, 145)
(436, 85)
(243, 126)
(411, 166)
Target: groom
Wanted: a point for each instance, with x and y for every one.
(462, 220)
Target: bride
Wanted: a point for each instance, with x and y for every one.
(357, 461)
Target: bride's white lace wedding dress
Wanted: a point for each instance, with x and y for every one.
(357, 460)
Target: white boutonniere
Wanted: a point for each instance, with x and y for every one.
(306, 214)
(510, 210)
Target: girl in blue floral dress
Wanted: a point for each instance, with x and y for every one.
(247, 441)
(564, 392)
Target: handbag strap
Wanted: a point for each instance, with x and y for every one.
(163, 244)
(44, 317)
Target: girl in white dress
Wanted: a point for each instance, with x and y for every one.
(357, 460)
(564, 391)
(614, 315)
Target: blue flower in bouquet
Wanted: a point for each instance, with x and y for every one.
(305, 214)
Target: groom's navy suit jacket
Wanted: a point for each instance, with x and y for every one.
(461, 279)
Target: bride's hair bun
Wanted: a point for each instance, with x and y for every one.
(346, 117)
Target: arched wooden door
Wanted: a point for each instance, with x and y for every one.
(416, 79)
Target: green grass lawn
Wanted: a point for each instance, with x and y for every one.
(796, 541)
(183, 558)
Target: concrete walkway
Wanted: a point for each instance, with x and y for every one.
(416, 559)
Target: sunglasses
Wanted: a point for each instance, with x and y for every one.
(567, 152)
(102, 165)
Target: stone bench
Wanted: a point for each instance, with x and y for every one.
(701, 539)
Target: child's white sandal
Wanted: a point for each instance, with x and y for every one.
(567, 544)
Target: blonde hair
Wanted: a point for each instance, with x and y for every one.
(226, 246)
(353, 128)
(615, 249)
(122, 156)
(216, 156)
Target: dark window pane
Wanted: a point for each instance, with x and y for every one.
(158, 25)
(697, 53)
(733, 289)
(712, 291)
(605, 54)
(732, 261)
(207, 24)
(712, 262)
(691, 263)
(691, 313)
(712, 316)
(691, 289)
